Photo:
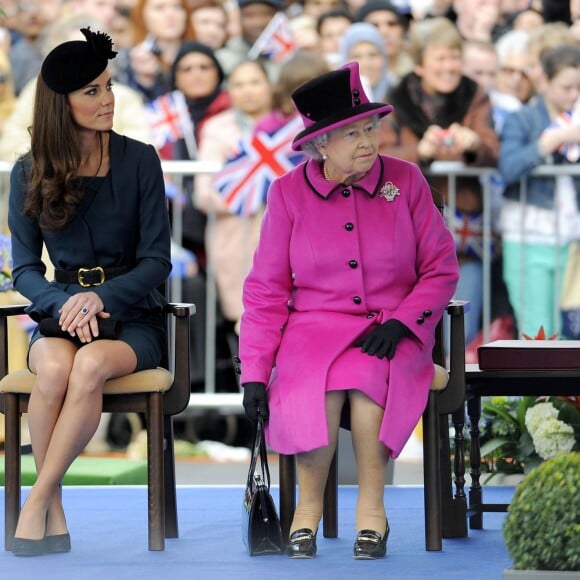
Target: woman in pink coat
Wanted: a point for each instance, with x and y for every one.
(353, 271)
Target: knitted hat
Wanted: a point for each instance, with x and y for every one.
(380, 6)
(332, 100)
(278, 4)
(357, 33)
(194, 46)
(74, 64)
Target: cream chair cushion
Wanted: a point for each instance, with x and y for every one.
(146, 381)
(150, 380)
(440, 378)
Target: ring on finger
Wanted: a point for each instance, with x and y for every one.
(84, 310)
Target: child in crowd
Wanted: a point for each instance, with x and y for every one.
(538, 228)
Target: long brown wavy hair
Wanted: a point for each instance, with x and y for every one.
(54, 187)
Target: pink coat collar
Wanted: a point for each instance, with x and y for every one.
(370, 183)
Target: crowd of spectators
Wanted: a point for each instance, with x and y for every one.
(458, 72)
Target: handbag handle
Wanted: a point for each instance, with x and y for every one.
(259, 451)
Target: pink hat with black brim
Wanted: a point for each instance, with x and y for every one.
(332, 100)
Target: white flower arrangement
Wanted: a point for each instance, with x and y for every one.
(519, 433)
(550, 436)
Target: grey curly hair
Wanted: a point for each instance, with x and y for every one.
(311, 148)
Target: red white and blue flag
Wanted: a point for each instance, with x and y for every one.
(569, 150)
(169, 121)
(250, 169)
(276, 41)
(467, 229)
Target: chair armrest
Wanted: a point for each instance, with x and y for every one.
(177, 398)
(12, 310)
(180, 309)
(458, 307)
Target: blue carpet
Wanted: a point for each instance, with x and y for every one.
(108, 526)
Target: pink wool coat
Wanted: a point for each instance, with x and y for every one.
(332, 262)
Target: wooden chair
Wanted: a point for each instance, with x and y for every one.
(156, 393)
(445, 512)
(446, 396)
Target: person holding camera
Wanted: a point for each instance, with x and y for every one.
(160, 28)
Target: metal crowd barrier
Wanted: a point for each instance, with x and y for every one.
(227, 403)
(231, 402)
(453, 170)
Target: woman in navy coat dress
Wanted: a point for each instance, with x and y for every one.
(97, 201)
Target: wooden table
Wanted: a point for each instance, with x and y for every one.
(480, 383)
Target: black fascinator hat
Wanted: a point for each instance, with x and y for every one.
(74, 64)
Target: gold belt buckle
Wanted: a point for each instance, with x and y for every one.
(82, 271)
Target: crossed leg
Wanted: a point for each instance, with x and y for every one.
(63, 414)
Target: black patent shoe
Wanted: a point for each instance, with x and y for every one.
(57, 544)
(302, 544)
(369, 545)
(26, 547)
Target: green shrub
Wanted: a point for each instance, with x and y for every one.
(542, 528)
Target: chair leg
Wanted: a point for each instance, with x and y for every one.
(475, 490)
(171, 525)
(155, 494)
(12, 490)
(454, 505)
(432, 475)
(447, 501)
(287, 476)
(330, 516)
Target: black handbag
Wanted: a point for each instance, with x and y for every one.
(261, 530)
(108, 328)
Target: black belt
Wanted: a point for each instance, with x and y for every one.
(89, 276)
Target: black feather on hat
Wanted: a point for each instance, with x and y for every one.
(74, 64)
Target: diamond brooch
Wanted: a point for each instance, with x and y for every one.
(389, 191)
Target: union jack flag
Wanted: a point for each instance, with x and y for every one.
(569, 150)
(276, 41)
(169, 121)
(467, 229)
(251, 168)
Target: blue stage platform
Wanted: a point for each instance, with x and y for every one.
(108, 526)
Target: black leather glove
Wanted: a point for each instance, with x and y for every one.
(383, 340)
(256, 401)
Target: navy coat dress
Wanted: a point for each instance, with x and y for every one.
(123, 221)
